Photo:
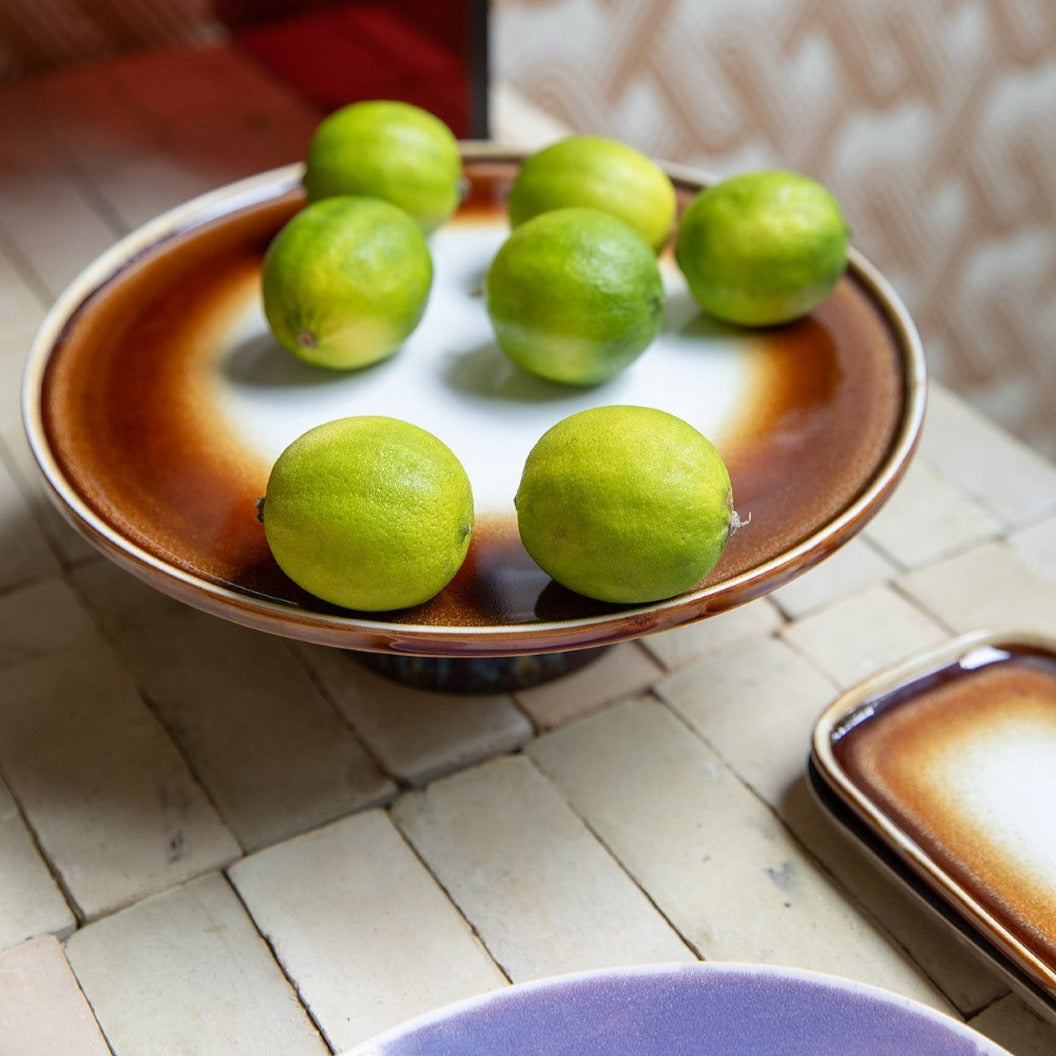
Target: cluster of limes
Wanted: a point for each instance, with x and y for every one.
(623, 504)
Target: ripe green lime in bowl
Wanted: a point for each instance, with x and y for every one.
(762, 248)
(391, 150)
(575, 295)
(625, 504)
(369, 512)
(600, 173)
(345, 281)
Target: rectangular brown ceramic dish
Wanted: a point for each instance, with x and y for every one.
(946, 768)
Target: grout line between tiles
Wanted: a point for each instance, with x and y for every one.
(443, 887)
(603, 844)
(79, 917)
(278, 961)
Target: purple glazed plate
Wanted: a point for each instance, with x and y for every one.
(678, 1010)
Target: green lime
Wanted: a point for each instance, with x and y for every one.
(389, 150)
(625, 504)
(600, 173)
(575, 295)
(345, 281)
(762, 248)
(369, 513)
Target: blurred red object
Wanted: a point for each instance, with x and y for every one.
(429, 52)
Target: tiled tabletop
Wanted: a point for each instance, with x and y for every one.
(217, 842)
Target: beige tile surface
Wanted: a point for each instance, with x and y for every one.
(1012, 1023)
(362, 930)
(41, 620)
(1015, 483)
(42, 1009)
(756, 706)
(928, 517)
(32, 903)
(20, 306)
(113, 805)
(989, 586)
(853, 567)
(544, 895)
(1035, 545)
(690, 832)
(24, 554)
(418, 735)
(713, 636)
(859, 636)
(111, 802)
(52, 223)
(269, 748)
(622, 670)
(187, 972)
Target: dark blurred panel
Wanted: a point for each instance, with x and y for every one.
(433, 53)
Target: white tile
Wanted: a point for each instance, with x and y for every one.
(30, 900)
(957, 969)
(416, 734)
(54, 226)
(1035, 545)
(861, 635)
(361, 929)
(713, 635)
(1017, 1027)
(42, 1009)
(41, 620)
(1014, 482)
(24, 553)
(990, 586)
(112, 803)
(186, 972)
(148, 184)
(542, 893)
(928, 518)
(699, 842)
(21, 307)
(756, 706)
(620, 671)
(270, 749)
(155, 180)
(855, 566)
(64, 541)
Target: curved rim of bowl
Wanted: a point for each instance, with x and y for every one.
(703, 971)
(359, 632)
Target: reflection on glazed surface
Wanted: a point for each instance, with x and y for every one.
(960, 760)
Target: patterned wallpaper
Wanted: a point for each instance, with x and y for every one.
(934, 122)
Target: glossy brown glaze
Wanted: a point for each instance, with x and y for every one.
(900, 749)
(125, 414)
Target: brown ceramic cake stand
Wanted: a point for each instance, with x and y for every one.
(155, 402)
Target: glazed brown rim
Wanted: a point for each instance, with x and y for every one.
(359, 632)
(909, 851)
